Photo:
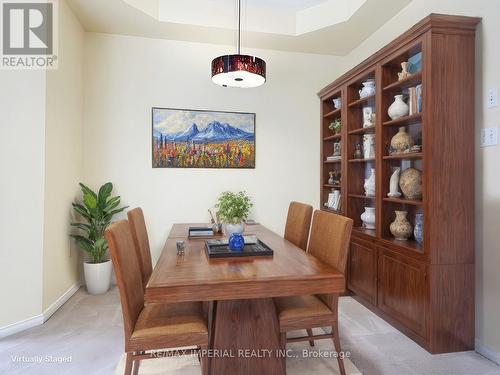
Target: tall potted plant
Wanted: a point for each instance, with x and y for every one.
(97, 211)
(233, 209)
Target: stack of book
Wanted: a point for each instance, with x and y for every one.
(333, 158)
(415, 99)
(334, 199)
(200, 232)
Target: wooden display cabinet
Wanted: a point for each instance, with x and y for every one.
(426, 290)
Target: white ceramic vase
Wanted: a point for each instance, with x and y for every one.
(370, 184)
(369, 146)
(398, 108)
(394, 184)
(97, 276)
(368, 218)
(368, 88)
(234, 228)
(337, 103)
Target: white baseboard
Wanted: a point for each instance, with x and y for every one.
(60, 301)
(21, 326)
(487, 352)
(38, 319)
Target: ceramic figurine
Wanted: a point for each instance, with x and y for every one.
(336, 149)
(418, 231)
(368, 117)
(401, 228)
(410, 183)
(398, 108)
(394, 184)
(335, 177)
(368, 218)
(369, 146)
(368, 89)
(370, 184)
(358, 154)
(337, 103)
(402, 141)
(404, 73)
(331, 181)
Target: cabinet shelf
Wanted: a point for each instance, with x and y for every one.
(332, 137)
(410, 81)
(368, 129)
(410, 155)
(335, 112)
(362, 102)
(360, 196)
(363, 230)
(413, 202)
(411, 245)
(361, 160)
(335, 186)
(406, 120)
(332, 161)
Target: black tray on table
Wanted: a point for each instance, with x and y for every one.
(220, 249)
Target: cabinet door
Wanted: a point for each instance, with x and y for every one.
(403, 290)
(362, 272)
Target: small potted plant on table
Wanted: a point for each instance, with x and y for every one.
(97, 211)
(233, 209)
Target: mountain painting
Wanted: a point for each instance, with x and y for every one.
(203, 139)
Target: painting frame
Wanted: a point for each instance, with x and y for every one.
(209, 111)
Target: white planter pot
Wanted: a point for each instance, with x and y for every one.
(234, 228)
(97, 276)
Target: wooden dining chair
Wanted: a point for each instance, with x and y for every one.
(298, 222)
(329, 243)
(154, 326)
(141, 242)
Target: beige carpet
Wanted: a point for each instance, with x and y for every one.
(296, 364)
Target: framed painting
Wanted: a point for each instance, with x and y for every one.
(185, 138)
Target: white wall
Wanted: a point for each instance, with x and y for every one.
(63, 158)
(487, 176)
(126, 76)
(22, 127)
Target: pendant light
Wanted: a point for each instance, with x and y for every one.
(238, 70)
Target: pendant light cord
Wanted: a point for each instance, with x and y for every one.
(239, 27)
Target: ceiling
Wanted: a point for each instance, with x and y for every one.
(332, 27)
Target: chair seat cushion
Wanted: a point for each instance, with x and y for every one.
(170, 319)
(302, 312)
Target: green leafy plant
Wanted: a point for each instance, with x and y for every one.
(233, 207)
(97, 210)
(336, 125)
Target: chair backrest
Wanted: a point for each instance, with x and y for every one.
(330, 236)
(298, 223)
(141, 242)
(128, 275)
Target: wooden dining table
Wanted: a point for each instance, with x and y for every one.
(243, 322)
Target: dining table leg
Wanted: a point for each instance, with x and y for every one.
(245, 338)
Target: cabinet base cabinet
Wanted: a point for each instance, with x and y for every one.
(362, 270)
(432, 304)
(402, 290)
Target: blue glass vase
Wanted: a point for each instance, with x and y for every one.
(236, 242)
(418, 231)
